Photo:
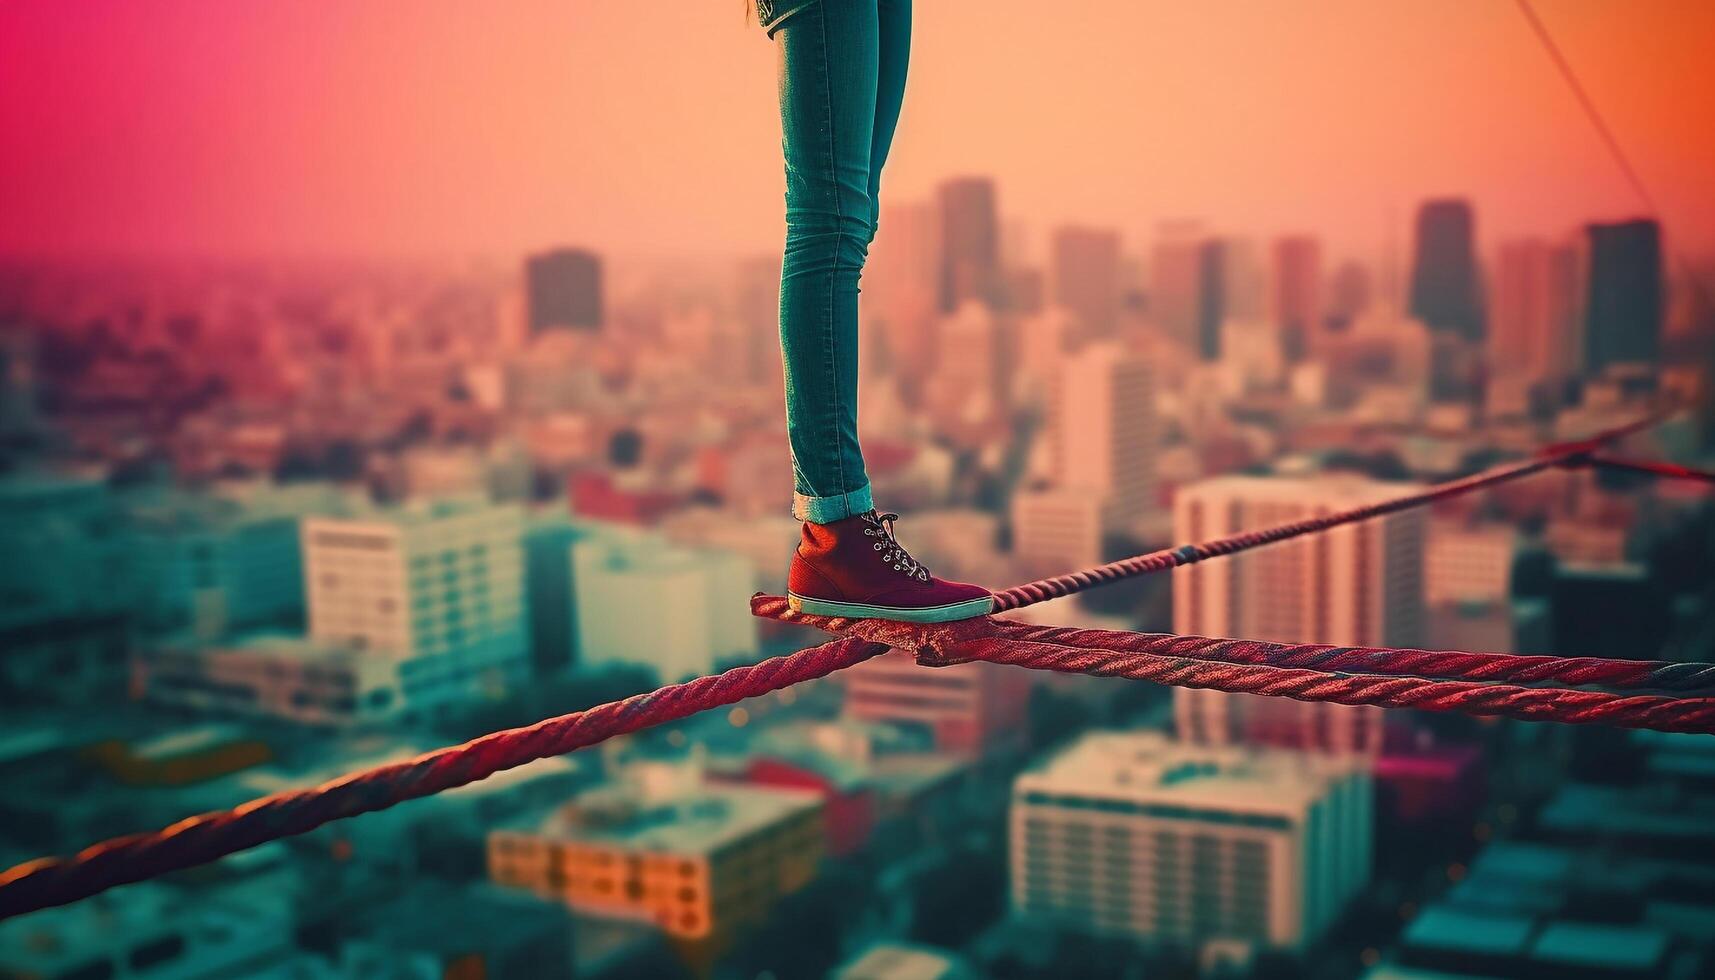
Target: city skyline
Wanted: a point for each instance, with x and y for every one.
(1333, 430)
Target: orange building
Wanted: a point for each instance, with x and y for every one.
(702, 864)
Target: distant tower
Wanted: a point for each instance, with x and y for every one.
(970, 242)
(1103, 420)
(1175, 281)
(1444, 287)
(1533, 315)
(1295, 293)
(1349, 295)
(1623, 309)
(564, 289)
(1212, 272)
(1085, 275)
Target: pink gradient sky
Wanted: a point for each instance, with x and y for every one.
(433, 126)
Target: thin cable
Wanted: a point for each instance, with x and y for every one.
(1561, 454)
(1612, 142)
(1582, 94)
(1672, 471)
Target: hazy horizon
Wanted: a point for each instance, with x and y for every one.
(374, 130)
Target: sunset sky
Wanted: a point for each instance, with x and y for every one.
(290, 127)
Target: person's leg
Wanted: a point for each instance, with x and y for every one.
(848, 562)
(828, 66)
(893, 17)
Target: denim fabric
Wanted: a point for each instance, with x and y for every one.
(842, 79)
(772, 14)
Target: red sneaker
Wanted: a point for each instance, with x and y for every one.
(854, 567)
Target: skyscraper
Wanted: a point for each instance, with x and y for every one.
(1623, 305)
(1131, 834)
(1175, 281)
(1349, 294)
(563, 288)
(1213, 269)
(1358, 585)
(1103, 420)
(970, 242)
(1295, 293)
(1533, 325)
(1085, 276)
(1445, 292)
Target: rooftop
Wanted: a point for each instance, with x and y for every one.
(1606, 947)
(1150, 767)
(699, 821)
(1444, 928)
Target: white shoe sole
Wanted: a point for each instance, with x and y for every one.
(967, 609)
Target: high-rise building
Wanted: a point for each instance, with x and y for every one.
(1103, 421)
(974, 359)
(1199, 282)
(1176, 282)
(967, 710)
(1212, 272)
(1085, 276)
(1349, 293)
(1295, 293)
(1057, 529)
(1359, 585)
(970, 243)
(1533, 322)
(1131, 834)
(1623, 307)
(436, 586)
(1446, 292)
(563, 288)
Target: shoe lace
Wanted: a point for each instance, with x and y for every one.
(892, 552)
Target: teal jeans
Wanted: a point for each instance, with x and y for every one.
(842, 79)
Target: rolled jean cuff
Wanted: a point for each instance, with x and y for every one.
(826, 510)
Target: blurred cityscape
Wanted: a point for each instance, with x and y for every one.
(267, 524)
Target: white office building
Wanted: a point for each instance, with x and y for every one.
(1356, 585)
(435, 587)
(1133, 834)
(1102, 418)
(677, 611)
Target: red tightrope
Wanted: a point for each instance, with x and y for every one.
(1156, 662)
(1669, 470)
(1260, 667)
(1623, 675)
(1060, 585)
(55, 881)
